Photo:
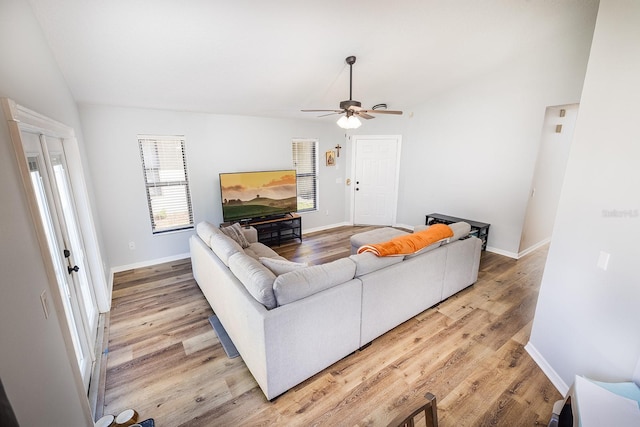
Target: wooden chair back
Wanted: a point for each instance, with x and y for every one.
(429, 409)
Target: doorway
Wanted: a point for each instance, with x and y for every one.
(44, 150)
(376, 165)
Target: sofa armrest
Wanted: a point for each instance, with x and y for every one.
(250, 233)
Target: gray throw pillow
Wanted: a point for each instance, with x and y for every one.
(235, 232)
(256, 278)
(301, 283)
(281, 266)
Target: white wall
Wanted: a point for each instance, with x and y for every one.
(34, 365)
(587, 319)
(214, 144)
(471, 151)
(551, 165)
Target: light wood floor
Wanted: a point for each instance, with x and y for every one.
(165, 361)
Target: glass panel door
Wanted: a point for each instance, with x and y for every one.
(77, 303)
(75, 246)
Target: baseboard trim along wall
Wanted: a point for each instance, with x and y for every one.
(542, 363)
(534, 247)
(324, 227)
(501, 252)
(148, 263)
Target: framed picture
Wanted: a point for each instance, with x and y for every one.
(331, 158)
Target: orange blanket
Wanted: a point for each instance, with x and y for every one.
(411, 243)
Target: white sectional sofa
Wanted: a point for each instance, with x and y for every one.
(290, 326)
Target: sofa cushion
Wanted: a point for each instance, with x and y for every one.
(280, 266)
(257, 250)
(256, 278)
(301, 283)
(410, 243)
(204, 230)
(460, 229)
(431, 247)
(367, 262)
(377, 235)
(235, 232)
(223, 246)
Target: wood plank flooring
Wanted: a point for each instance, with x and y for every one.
(165, 361)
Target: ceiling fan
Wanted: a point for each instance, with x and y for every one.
(352, 108)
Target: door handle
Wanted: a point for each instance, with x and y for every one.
(72, 269)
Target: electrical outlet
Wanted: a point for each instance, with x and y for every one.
(132, 246)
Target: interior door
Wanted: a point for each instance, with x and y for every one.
(47, 169)
(375, 189)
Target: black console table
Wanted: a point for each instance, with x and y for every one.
(278, 230)
(478, 229)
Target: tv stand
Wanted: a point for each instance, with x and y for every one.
(277, 230)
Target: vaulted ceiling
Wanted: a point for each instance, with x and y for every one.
(272, 58)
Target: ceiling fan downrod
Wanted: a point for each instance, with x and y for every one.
(350, 60)
(350, 102)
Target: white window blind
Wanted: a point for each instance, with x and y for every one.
(164, 164)
(305, 161)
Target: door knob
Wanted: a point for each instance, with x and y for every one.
(72, 269)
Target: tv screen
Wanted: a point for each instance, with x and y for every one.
(251, 195)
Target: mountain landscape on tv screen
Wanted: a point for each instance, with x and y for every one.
(258, 194)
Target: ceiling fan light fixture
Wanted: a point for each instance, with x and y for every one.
(350, 122)
(353, 122)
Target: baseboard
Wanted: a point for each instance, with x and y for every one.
(542, 363)
(325, 227)
(534, 247)
(501, 252)
(147, 263)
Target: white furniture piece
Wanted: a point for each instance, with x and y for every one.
(592, 403)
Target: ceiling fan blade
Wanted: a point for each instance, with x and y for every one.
(381, 111)
(363, 115)
(331, 114)
(321, 111)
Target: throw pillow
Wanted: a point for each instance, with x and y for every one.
(256, 278)
(235, 232)
(281, 266)
(298, 284)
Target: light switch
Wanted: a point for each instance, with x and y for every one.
(603, 260)
(45, 303)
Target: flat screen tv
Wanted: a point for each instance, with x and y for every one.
(252, 195)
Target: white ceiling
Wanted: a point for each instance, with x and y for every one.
(272, 58)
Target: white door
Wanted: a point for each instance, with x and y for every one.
(50, 181)
(375, 182)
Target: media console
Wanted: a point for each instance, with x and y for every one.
(478, 229)
(277, 230)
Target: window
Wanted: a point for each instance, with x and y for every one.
(164, 164)
(305, 161)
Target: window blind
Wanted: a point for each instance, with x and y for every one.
(164, 164)
(305, 161)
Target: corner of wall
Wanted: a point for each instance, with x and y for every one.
(542, 363)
